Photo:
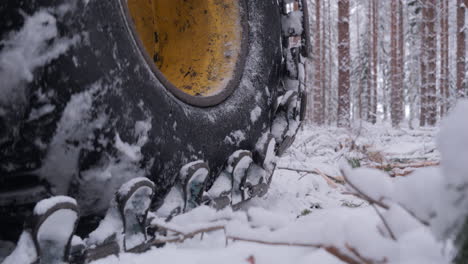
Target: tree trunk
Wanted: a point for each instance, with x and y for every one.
(331, 88)
(431, 63)
(401, 62)
(360, 91)
(423, 66)
(444, 42)
(395, 102)
(375, 36)
(325, 80)
(343, 64)
(461, 90)
(318, 107)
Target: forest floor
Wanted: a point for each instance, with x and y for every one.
(307, 188)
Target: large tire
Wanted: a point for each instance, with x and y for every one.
(106, 100)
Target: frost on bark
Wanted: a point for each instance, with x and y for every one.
(401, 61)
(461, 51)
(318, 114)
(444, 58)
(423, 66)
(431, 42)
(343, 64)
(396, 102)
(375, 35)
(331, 93)
(323, 61)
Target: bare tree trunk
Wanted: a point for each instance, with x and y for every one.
(318, 107)
(343, 64)
(395, 102)
(401, 61)
(423, 65)
(370, 65)
(431, 63)
(461, 89)
(331, 88)
(325, 80)
(444, 42)
(360, 92)
(375, 35)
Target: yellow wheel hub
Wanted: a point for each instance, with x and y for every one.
(195, 43)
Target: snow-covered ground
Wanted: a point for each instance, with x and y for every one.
(311, 208)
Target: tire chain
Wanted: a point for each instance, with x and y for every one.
(246, 175)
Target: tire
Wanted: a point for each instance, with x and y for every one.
(113, 119)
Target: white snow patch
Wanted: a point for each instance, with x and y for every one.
(44, 205)
(33, 46)
(255, 114)
(292, 22)
(25, 251)
(235, 138)
(37, 113)
(133, 152)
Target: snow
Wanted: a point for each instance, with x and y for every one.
(44, 205)
(54, 233)
(235, 137)
(255, 114)
(37, 113)
(110, 225)
(292, 23)
(133, 152)
(126, 187)
(137, 205)
(377, 184)
(304, 208)
(184, 171)
(309, 208)
(33, 46)
(25, 251)
(270, 158)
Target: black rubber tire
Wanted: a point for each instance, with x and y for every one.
(108, 60)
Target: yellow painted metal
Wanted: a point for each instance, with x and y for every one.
(194, 43)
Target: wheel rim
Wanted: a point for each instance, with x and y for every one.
(195, 48)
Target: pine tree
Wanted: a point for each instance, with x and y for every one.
(318, 114)
(343, 64)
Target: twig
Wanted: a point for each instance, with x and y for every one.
(361, 258)
(405, 166)
(181, 237)
(371, 201)
(330, 182)
(424, 222)
(363, 195)
(384, 221)
(330, 249)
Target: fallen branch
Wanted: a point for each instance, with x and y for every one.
(384, 221)
(362, 258)
(359, 259)
(404, 166)
(372, 202)
(362, 195)
(180, 236)
(330, 249)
